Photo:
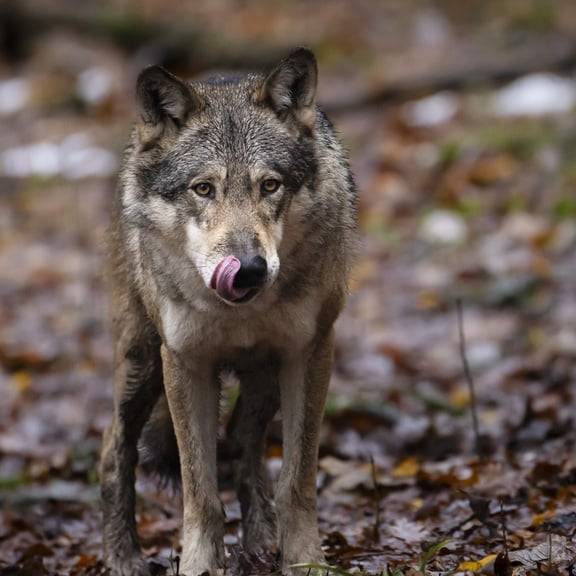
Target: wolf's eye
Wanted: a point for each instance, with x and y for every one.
(270, 185)
(203, 189)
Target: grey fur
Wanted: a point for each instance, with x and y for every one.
(174, 334)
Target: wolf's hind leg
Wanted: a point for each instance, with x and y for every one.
(138, 382)
(257, 404)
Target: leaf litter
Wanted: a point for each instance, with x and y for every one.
(459, 206)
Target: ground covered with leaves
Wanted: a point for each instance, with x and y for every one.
(468, 212)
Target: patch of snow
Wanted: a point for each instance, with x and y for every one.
(75, 158)
(14, 95)
(39, 159)
(88, 162)
(95, 84)
(535, 95)
(444, 227)
(371, 366)
(483, 354)
(431, 111)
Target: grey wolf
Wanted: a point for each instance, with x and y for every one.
(234, 230)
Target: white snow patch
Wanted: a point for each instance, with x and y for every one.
(95, 84)
(14, 95)
(73, 159)
(431, 111)
(536, 95)
(444, 227)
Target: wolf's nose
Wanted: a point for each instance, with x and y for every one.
(252, 273)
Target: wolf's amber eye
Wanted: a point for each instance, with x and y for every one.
(203, 189)
(270, 185)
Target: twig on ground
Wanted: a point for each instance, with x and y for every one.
(502, 565)
(504, 528)
(469, 379)
(376, 502)
(174, 561)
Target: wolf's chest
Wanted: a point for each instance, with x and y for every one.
(284, 326)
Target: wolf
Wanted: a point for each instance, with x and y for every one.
(233, 234)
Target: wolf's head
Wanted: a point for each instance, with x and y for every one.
(217, 164)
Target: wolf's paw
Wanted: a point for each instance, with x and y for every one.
(260, 537)
(204, 560)
(199, 570)
(202, 567)
(133, 566)
(303, 558)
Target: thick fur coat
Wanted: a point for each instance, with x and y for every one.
(245, 173)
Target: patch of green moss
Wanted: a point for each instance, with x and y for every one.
(521, 140)
(468, 206)
(8, 483)
(515, 203)
(535, 16)
(449, 152)
(565, 207)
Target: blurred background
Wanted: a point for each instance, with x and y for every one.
(460, 122)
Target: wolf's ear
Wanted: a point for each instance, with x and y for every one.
(291, 87)
(164, 102)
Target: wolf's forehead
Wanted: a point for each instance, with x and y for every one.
(239, 136)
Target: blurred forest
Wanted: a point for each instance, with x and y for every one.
(460, 121)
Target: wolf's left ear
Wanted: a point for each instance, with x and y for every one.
(165, 102)
(291, 87)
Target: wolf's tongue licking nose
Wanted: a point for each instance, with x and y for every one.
(223, 279)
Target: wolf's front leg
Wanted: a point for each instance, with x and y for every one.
(304, 383)
(138, 383)
(192, 391)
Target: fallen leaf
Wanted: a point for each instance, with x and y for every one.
(408, 531)
(408, 468)
(475, 565)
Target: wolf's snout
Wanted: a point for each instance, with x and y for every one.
(252, 273)
(238, 280)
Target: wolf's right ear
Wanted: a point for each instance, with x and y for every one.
(164, 102)
(291, 87)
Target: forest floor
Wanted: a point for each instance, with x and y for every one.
(465, 198)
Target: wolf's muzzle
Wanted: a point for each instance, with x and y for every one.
(238, 280)
(252, 273)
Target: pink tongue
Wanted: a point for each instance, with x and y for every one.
(223, 279)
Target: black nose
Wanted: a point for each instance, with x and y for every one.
(252, 273)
